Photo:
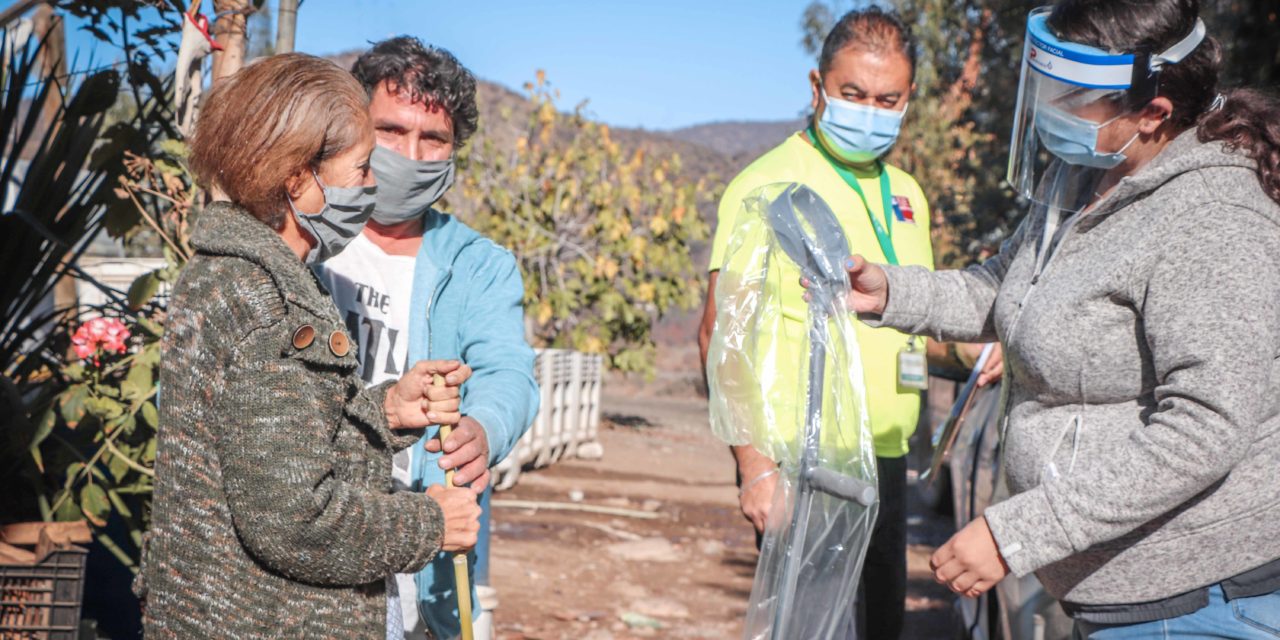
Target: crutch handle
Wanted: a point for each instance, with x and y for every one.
(841, 486)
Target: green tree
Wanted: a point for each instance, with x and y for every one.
(601, 233)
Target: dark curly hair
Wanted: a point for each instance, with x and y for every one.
(427, 73)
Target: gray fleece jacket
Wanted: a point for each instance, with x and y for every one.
(1141, 443)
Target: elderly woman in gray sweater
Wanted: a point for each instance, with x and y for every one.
(273, 514)
(1139, 307)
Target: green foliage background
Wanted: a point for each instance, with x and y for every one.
(601, 230)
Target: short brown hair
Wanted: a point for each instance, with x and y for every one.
(270, 119)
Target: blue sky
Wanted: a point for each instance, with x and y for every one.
(659, 64)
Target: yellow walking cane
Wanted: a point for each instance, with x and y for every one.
(461, 572)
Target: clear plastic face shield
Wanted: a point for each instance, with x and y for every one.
(1069, 96)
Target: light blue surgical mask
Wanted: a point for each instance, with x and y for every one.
(856, 133)
(1075, 139)
(345, 212)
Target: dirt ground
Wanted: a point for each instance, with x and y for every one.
(685, 573)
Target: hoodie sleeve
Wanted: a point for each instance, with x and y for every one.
(949, 306)
(1210, 310)
(501, 394)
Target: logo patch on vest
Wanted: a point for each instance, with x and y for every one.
(902, 211)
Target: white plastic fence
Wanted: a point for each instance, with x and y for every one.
(568, 423)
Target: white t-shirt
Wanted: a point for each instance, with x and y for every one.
(372, 290)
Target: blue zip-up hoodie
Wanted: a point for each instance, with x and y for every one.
(472, 294)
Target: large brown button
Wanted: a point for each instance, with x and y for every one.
(339, 344)
(303, 337)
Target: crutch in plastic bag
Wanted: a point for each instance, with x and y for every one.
(813, 548)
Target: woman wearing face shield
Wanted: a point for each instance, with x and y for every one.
(1139, 307)
(273, 515)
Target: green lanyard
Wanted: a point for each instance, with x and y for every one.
(884, 233)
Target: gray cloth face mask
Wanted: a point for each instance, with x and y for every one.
(407, 188)
(346, 210)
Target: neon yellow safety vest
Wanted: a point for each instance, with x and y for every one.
(893, 411)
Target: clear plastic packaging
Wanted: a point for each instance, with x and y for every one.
(785, 376)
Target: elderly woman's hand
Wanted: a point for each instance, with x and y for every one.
(461, 517)
(416, 402)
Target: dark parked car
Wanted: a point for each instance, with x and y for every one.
(968, 481)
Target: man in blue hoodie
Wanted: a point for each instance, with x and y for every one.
(417, 284)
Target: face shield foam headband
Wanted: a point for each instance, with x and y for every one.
(1090, 67)
(1068, 94)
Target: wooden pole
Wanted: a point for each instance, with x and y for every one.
(461, 570)
(47, 28)
(229, 31)
(14, 12)
(286, 26)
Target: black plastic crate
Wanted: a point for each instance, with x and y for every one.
(42, 601)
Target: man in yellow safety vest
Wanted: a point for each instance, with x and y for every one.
(861, 90)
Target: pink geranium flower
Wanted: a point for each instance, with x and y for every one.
(107, 334)
(82, 350)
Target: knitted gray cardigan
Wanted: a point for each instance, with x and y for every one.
(273, 514)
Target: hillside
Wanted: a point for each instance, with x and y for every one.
(741, 141)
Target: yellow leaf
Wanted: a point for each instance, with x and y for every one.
(658, 225)
(645, 292)
(547, 113)
(544, 312)
(592, 344)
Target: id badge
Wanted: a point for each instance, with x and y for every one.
(913, 370)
